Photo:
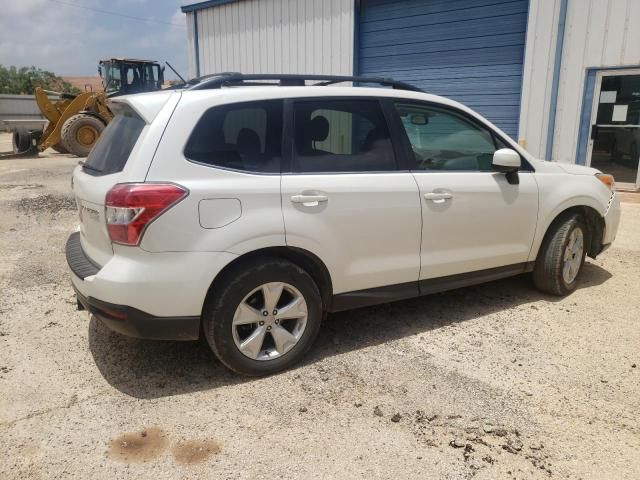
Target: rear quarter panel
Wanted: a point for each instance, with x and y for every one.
(259, 223)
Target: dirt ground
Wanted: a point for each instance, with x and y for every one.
(495, 381)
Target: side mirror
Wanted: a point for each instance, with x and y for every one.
(507, 161)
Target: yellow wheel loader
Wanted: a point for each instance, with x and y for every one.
(75, 122)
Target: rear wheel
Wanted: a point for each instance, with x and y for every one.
(265, 318)
(561, 256)
(80, 133)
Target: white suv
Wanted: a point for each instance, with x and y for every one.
(247, 206)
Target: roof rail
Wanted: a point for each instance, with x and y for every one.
(284, 79)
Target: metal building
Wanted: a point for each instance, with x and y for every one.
(560, 76)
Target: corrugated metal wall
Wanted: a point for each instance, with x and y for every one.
(190, 46)
(276, 36)
(598, 34)
(468, 50)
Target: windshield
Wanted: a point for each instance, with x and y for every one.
(111, 77)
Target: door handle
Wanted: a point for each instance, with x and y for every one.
(309, 200)
(438, 197)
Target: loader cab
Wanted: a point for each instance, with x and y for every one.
(122, 76)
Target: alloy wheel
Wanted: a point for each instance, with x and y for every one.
(269, 321)
(573, 256)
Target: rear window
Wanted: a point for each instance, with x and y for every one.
(112, 151)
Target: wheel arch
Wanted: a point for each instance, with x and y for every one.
(594, 223)
(304, 259)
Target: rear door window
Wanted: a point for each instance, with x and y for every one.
(116, 142)
(242, 136)
(342, 136)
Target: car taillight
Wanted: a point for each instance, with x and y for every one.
(131, 207)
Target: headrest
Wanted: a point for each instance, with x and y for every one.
(248, 142)
(318, 129)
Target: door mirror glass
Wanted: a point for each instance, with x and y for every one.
(506, 160)
(418, 119)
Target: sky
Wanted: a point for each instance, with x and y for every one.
(62, 37)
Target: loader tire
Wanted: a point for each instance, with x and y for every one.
(80, 133)
(58, 147)
(21, 140)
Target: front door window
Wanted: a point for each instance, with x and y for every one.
(615, 130)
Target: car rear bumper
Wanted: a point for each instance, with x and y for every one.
(139, 294)
(132, 322)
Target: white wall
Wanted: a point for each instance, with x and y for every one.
(191, 53)
(542, 31)
(598, 33)
(276, 36)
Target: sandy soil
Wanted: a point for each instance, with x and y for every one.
(495, 381)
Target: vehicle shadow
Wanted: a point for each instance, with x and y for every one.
(153, 369)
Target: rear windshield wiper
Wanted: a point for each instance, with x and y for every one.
(89, 167)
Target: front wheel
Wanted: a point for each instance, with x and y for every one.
(264, 318)
(561, 256)
(80, 133)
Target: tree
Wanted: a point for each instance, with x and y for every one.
(24, 80)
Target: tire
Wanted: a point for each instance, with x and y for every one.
(58, 147)
(551, 274)
(244, 285)
(80, 133)
(21, 140)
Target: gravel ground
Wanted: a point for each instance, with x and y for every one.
(495, 381)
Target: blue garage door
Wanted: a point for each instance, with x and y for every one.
(469, 50)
